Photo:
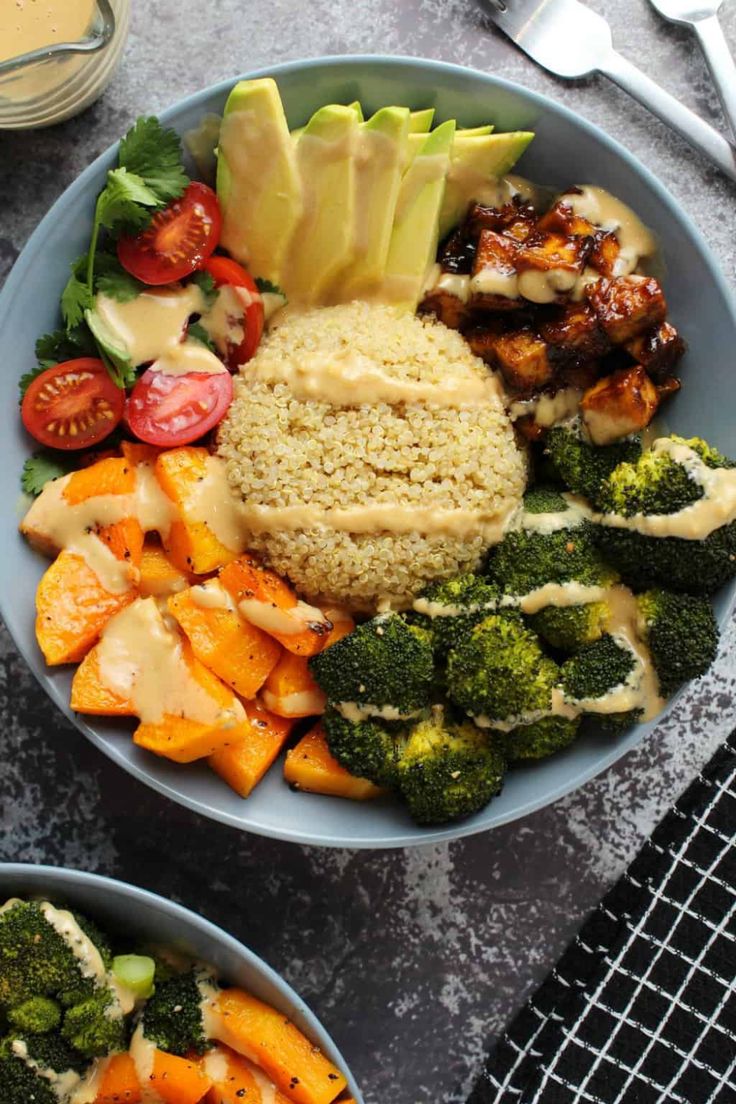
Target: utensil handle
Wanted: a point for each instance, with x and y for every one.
(687, 124)
(721, 64)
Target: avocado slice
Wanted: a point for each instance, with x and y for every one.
(477, 162)
(381, 159)
(326, 154)
(258, 183)
(416, 222)
(356, 107)
(420, 122)
(474, 132)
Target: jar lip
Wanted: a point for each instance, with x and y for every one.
(104, 29)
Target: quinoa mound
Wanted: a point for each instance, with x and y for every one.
(282, 450)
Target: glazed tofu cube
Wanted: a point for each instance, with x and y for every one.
(523, 359)
(619, 404)
(516, 219)
(494, 284)
(457, 253)
(574, 329)
(658, 350)
(546, 250)
(627, 306)
(448, 308)
(482, 340)
(604, 253)
(561, 219)
(579, 373)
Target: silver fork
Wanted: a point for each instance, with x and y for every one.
(571, 40)
(702, 17)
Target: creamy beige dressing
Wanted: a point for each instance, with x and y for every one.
(351, 379)
(432, 609)
(544, 286)
(548, 410)
(153, 507)
(697, 521)
(376, 156)
(495, 281)
(454, 283)
(211, 594)
(62, 1083)
(141, 659)
(266, 1087)
(605, 211)
(213, 502)
(285, 622)
(298, 704)
(88, 1088)
(225, 320)
(216, 1066)
(425, 169)
(143, 1053)
(210, 993)
(88, 957)
(186, 357)
(578, 511)
(34, 24)
(149, 325)
(560, 595)
(356, 713)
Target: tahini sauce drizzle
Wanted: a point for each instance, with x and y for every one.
(143, 1053)
(62, 1083)
(153, 322)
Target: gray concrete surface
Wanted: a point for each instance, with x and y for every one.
(413, 960)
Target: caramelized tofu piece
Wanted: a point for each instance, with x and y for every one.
(448, 308)
(482, 339)
(579, 373)
(494, 285)
(574, 329)
(627, 306)
(658, 350)
(528, 428)
(457, 253)
(604, 252)
(523, 359)
(619, 404)
(561, 219)
(515, 216)
(546, 250)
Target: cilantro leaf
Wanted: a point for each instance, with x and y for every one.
(112, 280)
(268, 287)
(40, 468)
(27, 378)
(154, 154)
(115, 356)
(61, 345)
(206, 285)
(199, 333)
(122, 204)
(77, 296)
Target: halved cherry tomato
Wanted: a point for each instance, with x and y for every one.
(72, 405)
(178, 239)
(224, 271)
(170, 410)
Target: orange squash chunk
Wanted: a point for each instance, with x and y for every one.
(244, 1083)
(297, 1067)
(177, 1080)
(135, 452)
(290, 689)
(159, 576)
(119, 1083)
(112, 476)
(91, 695)
(309, 766)
(238, 653)
(247, 580)
(191, 543)
(243, 764)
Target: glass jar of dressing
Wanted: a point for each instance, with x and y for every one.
(56, 56)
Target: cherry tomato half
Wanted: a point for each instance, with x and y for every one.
(225, 271)
(178, 239)
(72, 405)
(170, 410)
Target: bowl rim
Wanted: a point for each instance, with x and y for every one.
(584, 773)
(47, 875)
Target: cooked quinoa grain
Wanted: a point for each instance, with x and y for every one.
(286, 451)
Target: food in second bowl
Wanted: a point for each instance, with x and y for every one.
(86, 1018)
(418, 550)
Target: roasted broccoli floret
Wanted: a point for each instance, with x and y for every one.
(95, 1027)
(688, 566)
(499, 671)
(526, 560)
(540, 739)
(682, 635)
(545, 500)
(567, 628)
(590, 675)
(173, 1015)
(581, 466)
(654, 484)
(37, 1015)
(450, 609)
(35, 960)
(384, 663)
(21, 1055)
(448, 769)
(367, 748)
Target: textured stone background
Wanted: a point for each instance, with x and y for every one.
(414, 960)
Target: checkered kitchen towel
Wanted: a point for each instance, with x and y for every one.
(642, 1007)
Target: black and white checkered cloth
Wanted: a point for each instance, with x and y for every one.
(641, 1009)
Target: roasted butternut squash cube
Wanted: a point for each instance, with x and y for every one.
(310, 766)
(619, 404)
(236, 1080)
(523, 359)
(191, 543)
(243, 763)
(290, 690)
(159, 576)
(574, 329)
(627, 306)
(658, 350)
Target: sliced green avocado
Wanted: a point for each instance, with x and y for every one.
(356, 107)
(326, 154)
(416, 222)
(474, 132)
(476, 162)
(258, 182)
(420, 122)
(381, 159)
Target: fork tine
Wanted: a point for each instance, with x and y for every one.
(510, 15)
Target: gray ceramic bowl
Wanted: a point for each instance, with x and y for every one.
(566, 150)
(140, 914)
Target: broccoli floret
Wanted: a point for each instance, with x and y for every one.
(526, 560)
(544, 500)
(95, 1027)
(710, 455)
(540, 739)
(368, 748)
(581, 466)
(19, 1080)
(172, 1018)
(569, 627)
(37, 1015)
(654, 484)
(450, 609)
(499, 670)
(688, 566)
(382, 663)
(448, 770)
(682, 634)
(34, 959)
(594, 671)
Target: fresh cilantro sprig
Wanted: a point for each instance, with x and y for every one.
(206, 284)
(197, 331)
(42, 467)
(56, 347)
(268, 287)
